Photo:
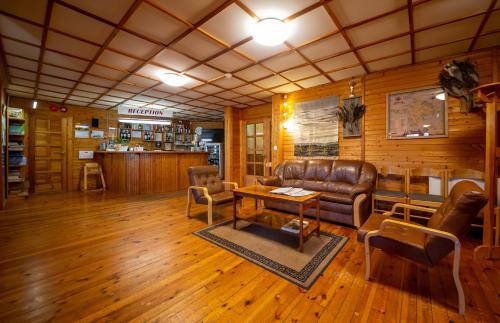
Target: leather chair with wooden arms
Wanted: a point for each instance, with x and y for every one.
(207, 188)
(429, 244)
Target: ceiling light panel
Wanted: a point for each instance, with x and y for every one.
(112, 10)
(280, 9)
(20, 30)
(284, 62)
(80, 25)
(174, 60)
(64, 61)
(435, 12)
(33, 10)
(312, 25)
(394, 46)
(132, 45)
(447, 33)
(154, 24)
(230, 61)
(313, 81)
(17, 48)
(352, 11)
(230, 26)
(381, 28)
(197, 45)
(21, 63)
(326, 47)
(117, 60)
(191, 11)
(70, 45)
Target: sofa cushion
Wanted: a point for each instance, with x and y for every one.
(339, 187)
(293, 173)
(318, 170)
(217, 198)
(338, 198)
(346, 171)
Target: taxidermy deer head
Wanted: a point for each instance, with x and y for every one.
(458, 78)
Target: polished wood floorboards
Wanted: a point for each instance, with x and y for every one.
(105, 257)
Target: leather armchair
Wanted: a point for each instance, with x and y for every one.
(429, 244)
(207, 188)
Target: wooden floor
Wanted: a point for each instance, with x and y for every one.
(99, 257)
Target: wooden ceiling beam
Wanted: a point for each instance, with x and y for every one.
(123, 20)
(412, 32)
(337, 23)
(48, 15)
(481, 25)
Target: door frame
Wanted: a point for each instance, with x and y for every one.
(66, 146)
(243, 146)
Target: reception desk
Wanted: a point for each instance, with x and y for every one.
(148, 172)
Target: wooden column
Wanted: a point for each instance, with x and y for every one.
(490, 248)
(277, 130)
(228, 143)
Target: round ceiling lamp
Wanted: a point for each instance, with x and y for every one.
(271, 31)
(173, 79)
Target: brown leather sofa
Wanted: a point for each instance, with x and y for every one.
(346, 187)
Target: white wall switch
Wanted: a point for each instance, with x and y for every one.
(275, 148)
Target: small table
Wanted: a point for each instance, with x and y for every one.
(260, 192)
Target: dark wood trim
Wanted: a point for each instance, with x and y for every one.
(412, 34)
(481, 26)
(48, 15)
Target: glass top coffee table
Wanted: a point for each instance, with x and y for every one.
(277, 219)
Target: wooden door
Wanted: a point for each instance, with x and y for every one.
(49, 153)
(256, 150)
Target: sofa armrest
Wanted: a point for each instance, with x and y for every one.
(360, 189)
(269, 181)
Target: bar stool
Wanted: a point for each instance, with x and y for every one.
(389, 194)
(93, 169)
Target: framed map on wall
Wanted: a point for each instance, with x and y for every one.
(417, 113)
(316, 128)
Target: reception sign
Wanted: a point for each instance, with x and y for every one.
(145, 112)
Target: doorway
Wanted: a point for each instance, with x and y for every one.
(256, 150)
(48, 153)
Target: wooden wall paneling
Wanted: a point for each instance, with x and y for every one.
(276, 130)
(228, 143)
(75, 115)
(235, 163)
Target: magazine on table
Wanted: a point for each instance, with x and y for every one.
(292, 191)
(294, 226)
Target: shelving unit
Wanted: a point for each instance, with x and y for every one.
(17, 162)
(176, 134)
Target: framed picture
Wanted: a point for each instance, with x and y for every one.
(417, 113)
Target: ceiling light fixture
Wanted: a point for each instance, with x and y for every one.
(173, 79)
(35, 103)
(271, 31)
(146, 121)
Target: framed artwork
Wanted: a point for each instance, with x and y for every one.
(417, 113)
(316, 128)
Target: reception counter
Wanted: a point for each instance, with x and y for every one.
(148, 172)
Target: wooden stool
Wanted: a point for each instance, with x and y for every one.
(93, 169)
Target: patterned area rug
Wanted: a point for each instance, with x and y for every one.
(276, 251)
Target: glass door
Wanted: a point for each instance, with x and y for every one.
(257, 151)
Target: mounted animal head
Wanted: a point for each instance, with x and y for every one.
(458, 79)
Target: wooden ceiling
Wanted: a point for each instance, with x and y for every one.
(107, 53)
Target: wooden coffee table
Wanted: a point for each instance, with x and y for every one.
(260, 192)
